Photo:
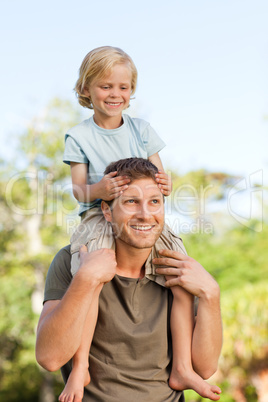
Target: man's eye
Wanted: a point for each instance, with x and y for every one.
(131, 201)
(155, 201)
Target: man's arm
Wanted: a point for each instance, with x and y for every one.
(61, 322)
(207, 336)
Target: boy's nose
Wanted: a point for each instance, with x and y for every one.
(114, 93)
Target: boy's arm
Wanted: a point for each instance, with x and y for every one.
(162, 178)
(108, 188)
(62, 321)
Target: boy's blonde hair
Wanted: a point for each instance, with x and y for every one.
(96, 65)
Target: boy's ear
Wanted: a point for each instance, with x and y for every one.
(86, 91)
(106, 210)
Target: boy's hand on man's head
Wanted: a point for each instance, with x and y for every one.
(164, 182)
(112, 186)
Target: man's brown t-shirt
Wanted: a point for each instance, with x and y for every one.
(130, 356)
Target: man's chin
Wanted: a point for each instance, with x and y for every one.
(137, 239)
(139, 243)
(142, 246)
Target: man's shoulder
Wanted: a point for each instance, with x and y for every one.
(172, 238)
(59, 275)
(62, 260)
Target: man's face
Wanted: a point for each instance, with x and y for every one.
(137, 216)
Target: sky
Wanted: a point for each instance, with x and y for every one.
(202, 68)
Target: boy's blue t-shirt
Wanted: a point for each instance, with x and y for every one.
(97, 147)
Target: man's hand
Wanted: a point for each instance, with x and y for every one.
(99, 265)
(187, 273)
(111, 186)
(164, 182)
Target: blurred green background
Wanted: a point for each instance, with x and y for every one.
(38, 213)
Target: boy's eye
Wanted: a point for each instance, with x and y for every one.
(105, 87)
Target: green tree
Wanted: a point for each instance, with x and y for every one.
(35, 202)
(238, 260)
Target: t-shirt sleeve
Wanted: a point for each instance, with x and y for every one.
(73, 151)
(153, 143)
(59, 275)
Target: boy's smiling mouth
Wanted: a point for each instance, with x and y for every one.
(113, 103)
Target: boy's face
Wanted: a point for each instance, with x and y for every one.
(137, 216)
(111, 94)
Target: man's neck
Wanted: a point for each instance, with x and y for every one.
(130, 260)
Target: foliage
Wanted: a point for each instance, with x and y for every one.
(238, 257)
(34, 203)
(199, 183)
(238, 261)
(42, 144)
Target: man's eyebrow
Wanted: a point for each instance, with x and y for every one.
(156, 195)
(138, 197)
(130, 196)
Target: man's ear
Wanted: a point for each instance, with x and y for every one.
(106, 210)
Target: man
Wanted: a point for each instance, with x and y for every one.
(130, 354)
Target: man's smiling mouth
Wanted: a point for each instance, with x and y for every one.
(142, 227)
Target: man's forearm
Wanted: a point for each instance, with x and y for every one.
(61, 324)
(207, 336)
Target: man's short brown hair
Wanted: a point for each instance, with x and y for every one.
(134, 168)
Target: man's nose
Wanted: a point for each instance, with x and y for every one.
(143, 211)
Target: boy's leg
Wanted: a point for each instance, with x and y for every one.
(95, 233)
(91, 225)
(79, 376)
(182, 323)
